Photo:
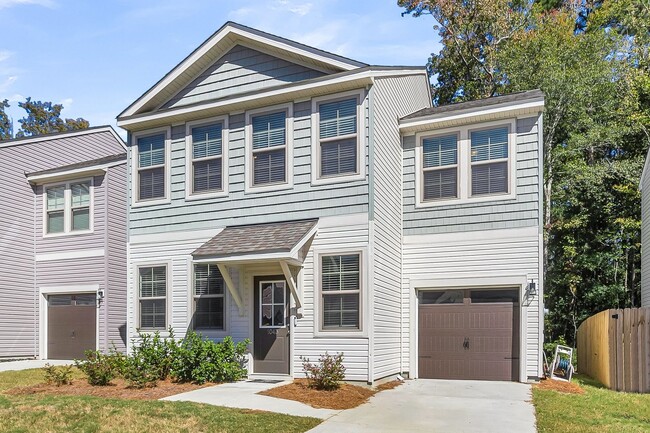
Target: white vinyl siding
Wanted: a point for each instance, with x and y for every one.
(440, 167)
(68, 208)
(207, 158)
(269, 149)
(489, 150)
(209, 298)
(340, 291)
(152, 294)
(151, 167)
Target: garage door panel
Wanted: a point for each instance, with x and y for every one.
(72, 326)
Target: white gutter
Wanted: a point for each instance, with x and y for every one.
(94, 170)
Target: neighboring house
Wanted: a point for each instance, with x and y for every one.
(291, 196)
(644, 186)
(62, 244)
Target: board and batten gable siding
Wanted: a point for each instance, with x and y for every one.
(18, 230)
(391, 98)
(240, 70)
(521, 212)
(645, 241)
(302, 201)
(116, 258)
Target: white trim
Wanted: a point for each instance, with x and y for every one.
(189, 161)
(506, 109)
(364, 298)
(68, 255)
(152, 263)
(58, 136)
(362, 102)
(364, 78)
(135, 189)
(284, 298)
(226, 33)
(94, 170)
(67, 208)
(288, 275)
(518, 282)
(44, 292)
(249, 188)
(465, 164)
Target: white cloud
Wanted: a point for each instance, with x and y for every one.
(301, 9)
(5, 54)
(67, 102)
(7, 83)
(240, 13)
(9, 3)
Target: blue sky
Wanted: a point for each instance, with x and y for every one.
(96, 57)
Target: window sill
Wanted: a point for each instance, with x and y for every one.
(339, 179)
(205, 196)
(146, 203)
(466, 200)
(341, 334)
(67, 234)
(267, 188)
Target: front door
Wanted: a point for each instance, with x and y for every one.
(271, 336)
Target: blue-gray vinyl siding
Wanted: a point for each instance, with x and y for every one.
(302, 201)
(21, 230)
(391, 99)
(240, 70)
(499, 214)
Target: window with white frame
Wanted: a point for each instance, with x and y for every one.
(340, 284)
(440, 167)
(489, 167)
(269, 148)
(68, 208)
(207, 158)
(151, 167)
(338, 141)
(209, 297)
(152, 297)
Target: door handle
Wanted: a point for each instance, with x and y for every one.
(466, 343)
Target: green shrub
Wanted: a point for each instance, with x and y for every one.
(156, 353)
(139, 375)
(58, 376)
(200, 360)
(327, 374)
(117, 360)
(97, 367)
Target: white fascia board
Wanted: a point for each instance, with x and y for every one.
(434, 120)
(93, 170)
(224, 33)
(365, 77)
(646, 168)
(50, 137)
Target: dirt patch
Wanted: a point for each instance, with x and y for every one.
(117, 389)
(346, 397)
(560, 386)
(389, 385)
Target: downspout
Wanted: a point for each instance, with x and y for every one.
(371, 234)
(540, 299)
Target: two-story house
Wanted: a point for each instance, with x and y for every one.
(313, 203)
(63, 244)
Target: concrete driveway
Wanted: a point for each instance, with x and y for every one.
(431, 406)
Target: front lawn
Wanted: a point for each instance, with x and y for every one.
(48, 413)
(597, 410)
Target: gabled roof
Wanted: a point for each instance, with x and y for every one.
(229, 35)
(79, 167)
(64, 135)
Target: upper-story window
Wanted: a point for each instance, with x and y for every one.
(440, 167)
(151, 167)
(489, 161)
(68, 208)
(337, 150)
(466, 164)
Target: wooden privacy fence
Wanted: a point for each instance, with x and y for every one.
(614, 348)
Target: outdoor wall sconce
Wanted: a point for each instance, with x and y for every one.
(100, 297)
(531, 289)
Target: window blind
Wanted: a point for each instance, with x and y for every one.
(438, 184)
(489, 144)
(208, 175)
(338, 157)
(269, 130)
(207, 141)
(151, 150)
(269, 167)
(152, 183)
(440, 151)
(338, 118)
(490, 178)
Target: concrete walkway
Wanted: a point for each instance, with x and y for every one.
(441, 406)
(26, 364)
(244, 395)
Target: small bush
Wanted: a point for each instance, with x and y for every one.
(138, 375)
(97, 368)
(117, 360)
(156, 353)
(58, 376)
(199, 360)
(327, 374)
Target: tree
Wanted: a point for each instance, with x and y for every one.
(472, 32)
(6, 126)
(44, 118)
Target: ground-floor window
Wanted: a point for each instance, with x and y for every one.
(340, 284)
(152, 297)
(209, 297)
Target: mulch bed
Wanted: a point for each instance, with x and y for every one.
(560, 386)
(117, 389)
(346, 397)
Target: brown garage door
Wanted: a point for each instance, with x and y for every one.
(469, 334)
(71, 325)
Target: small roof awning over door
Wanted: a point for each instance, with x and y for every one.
(258, 242)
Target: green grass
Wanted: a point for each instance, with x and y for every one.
(597, 410)
(91, 414)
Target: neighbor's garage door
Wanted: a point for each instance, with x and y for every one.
(468, 334)
(71, 325)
